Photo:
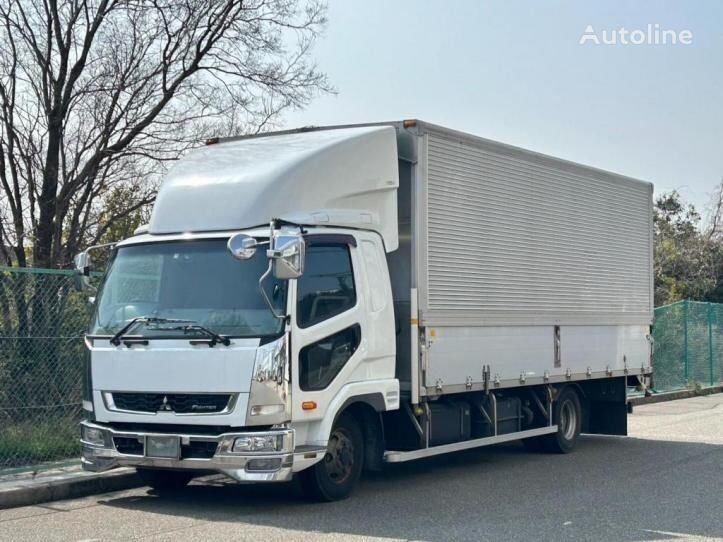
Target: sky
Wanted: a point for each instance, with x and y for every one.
(515, 71)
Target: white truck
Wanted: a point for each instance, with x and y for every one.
(318, 301)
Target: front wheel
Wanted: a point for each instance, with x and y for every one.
(336, 476)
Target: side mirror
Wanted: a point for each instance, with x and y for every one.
(82, 266)
(242, 246)
(82, 263)
(288, 256)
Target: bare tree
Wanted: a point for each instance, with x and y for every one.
(98, 95)
(715, 217)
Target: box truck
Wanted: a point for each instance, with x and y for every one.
(320, 301)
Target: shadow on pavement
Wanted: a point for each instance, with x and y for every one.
(609, 488)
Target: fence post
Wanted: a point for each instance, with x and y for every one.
(710, 340)
(685, 340)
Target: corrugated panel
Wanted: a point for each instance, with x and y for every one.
(518, 236)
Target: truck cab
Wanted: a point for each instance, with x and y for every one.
(249, 329)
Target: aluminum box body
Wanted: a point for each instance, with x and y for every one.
(536, 267)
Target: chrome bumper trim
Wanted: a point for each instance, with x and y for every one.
(98, 458)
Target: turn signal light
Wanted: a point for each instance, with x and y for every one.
(308, 405)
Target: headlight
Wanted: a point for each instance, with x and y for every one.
(93, 436)
(258, 443)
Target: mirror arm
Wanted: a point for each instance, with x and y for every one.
(266, 297)
(103, 245)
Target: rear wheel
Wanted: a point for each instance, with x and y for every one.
(165, 480)
(335, 476)
(567, 415)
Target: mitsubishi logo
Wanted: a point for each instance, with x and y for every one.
(165, 406)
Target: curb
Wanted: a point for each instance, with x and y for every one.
(673, 395)
(71, 485)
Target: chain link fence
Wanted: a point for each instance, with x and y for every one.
(42, 321)
(43, 317)
(688, 345)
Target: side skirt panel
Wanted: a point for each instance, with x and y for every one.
(399, 457)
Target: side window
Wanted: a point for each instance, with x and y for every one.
(319, 363)
(327, 286)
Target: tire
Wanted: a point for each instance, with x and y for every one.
(165, 480)
(335, 477)
(567, 414)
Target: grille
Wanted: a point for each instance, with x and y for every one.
(128, 445)
(180, 403)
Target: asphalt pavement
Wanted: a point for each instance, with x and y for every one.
(663, 482)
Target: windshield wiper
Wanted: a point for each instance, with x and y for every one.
(214, 337)
(116, 340)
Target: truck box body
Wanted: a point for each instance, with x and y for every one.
(534, 266)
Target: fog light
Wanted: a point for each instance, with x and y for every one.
(263, 464)
(258, 443)
(93, 436)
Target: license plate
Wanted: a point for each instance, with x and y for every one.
(163, 447)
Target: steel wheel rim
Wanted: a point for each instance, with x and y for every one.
(568, 420)
(339, 458)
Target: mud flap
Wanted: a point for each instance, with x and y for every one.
(607, 411)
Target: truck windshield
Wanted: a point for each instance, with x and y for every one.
(198, 281)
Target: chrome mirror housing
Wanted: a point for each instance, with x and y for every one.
(82, 263)
(242, 246)
(287, 256)
(82, 266)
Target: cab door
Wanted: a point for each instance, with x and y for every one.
(328, 325)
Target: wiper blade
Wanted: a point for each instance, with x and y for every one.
(215, 337)
(116, 340)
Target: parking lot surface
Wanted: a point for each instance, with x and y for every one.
(663, 482)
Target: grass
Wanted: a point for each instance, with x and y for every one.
(26, 443)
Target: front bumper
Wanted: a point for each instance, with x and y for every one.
(217, 454)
